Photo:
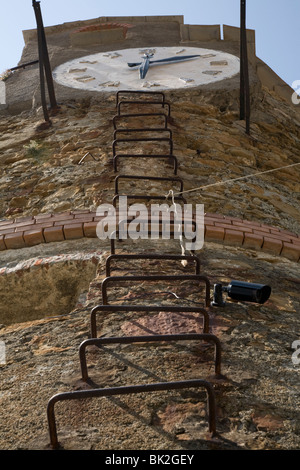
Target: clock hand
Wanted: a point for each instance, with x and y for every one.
(170, 59)
(144, 66)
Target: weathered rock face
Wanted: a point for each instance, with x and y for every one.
(39, 287)
(41, 174)
(257, 397)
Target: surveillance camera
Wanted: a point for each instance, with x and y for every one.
(241, 291)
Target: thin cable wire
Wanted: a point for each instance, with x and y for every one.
(232, 180)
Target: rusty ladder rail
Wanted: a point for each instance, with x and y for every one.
(143, 103)
(147, 196)
(150, 256)
(169, 157)
(106, 308)
(148, 339)
(118, 117)
(139, 92)
(142, 129)
(144, 139)
(102, 309)
(174, 277)
(158, 230)
(113, 251)
(150, 178)
(145, 388)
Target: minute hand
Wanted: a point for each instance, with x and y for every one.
(170, 59)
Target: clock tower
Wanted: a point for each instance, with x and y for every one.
(91, 59)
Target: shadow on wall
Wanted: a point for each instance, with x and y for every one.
(47, 288)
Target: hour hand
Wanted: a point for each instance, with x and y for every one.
(144, 66)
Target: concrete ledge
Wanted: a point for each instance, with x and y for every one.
(23, 232)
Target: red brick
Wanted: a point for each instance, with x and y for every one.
(45, 220)
(233, 219)
(8, 230)
(99, 218)
(66, 222)
(233, 237)
(2, 244)
(33, 237)
(227, 226)
(26, 220)
(6, 222)
(41, 217)
(53, 234)
(10, 227)
(210, 220)
(253, 241)
(291, 251)
(248, 222)
(275, 231)
(288, 233)
(275, 236)
(24, 223)
(14, 240)
(26, 228)
(89, 229)
(73, 231)
(242, 227)
(80, 211)
(265, 229)
(295, 240)
(84, 218)
(272, 245)
(63, 216)
(214, 233)
(214, 216)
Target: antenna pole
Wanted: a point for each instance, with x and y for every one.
(45, 68)
(244, 71)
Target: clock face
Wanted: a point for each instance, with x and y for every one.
(109, 71)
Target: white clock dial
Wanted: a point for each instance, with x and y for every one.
(109, 71)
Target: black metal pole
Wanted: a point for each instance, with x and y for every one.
(41, 65)
(45, 68)
(242, 78)
(244, 71)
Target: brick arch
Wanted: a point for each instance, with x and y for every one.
(29, 231)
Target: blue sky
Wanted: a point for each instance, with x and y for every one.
(276, 23)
